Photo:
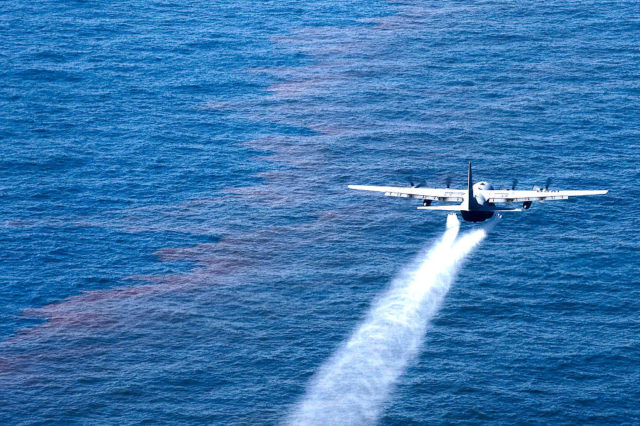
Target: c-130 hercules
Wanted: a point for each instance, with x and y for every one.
(477, 202)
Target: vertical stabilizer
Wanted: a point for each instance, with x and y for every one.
(470, 198)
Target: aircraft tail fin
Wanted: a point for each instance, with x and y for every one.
(470, 182)
(470, 200)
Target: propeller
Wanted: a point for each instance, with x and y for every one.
(448, 181)
(415, 184)
(514, 184)
(546, 186)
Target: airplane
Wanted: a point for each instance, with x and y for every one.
(477, 202)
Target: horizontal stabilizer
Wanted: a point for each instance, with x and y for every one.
(506, 210)
(447, 208)
(458, 208)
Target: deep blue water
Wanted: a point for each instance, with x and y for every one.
(177, 243)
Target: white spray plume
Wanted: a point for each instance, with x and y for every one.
(353, 385)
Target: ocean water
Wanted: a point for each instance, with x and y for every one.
(178, 245)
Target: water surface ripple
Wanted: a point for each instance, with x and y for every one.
(177, 243)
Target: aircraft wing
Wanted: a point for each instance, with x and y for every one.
(507, 196)
(434, 194)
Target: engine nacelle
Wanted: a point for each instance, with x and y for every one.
(479, 186)
(526, 205)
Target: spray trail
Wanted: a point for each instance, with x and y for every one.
(352, 386)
